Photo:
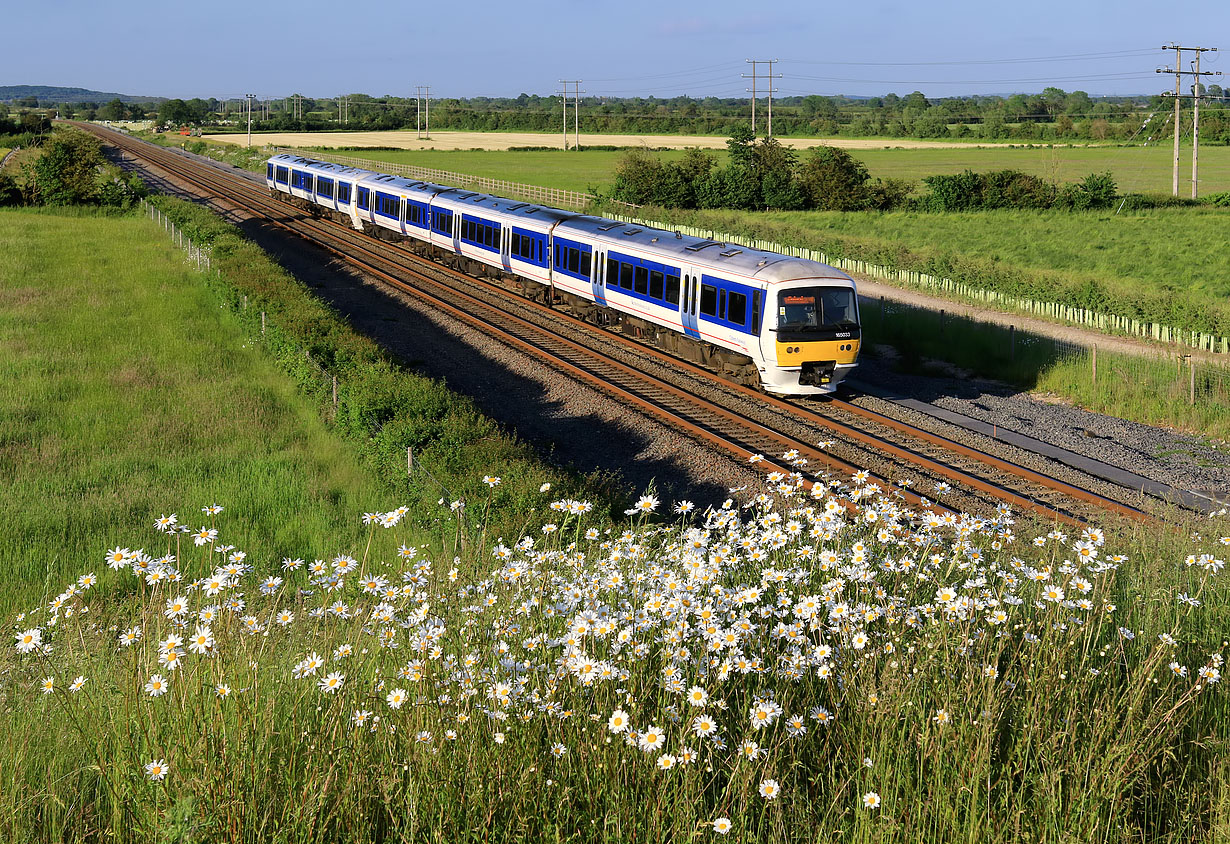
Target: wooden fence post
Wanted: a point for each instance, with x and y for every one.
(1095, 363)
(1191, 380)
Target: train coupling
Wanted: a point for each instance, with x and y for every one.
(817, 373)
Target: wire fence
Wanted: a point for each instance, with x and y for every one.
(317, 380)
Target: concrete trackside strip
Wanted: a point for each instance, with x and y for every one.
(1090, 466)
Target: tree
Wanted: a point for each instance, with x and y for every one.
(833, 180)
(174, 113)
(65, 173)
(113, 110)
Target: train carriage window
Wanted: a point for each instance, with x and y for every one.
(625, 275)
(269, 171)
(722, 304)
(587, 259)
(574, 260)
(364, 198)
(708, 300)
(324, 187)
(656, 284)
(612, 272)
(756, 312)
(281, 174)
(343, 192)
(737, 308)
(641, 283)
(672, 289)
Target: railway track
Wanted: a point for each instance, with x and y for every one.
(728, 417)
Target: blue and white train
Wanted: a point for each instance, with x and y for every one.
(785, 324)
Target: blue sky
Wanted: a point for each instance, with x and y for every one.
(226, 48)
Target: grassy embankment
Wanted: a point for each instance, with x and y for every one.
(451, 705)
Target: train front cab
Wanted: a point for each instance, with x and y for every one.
(815, 339)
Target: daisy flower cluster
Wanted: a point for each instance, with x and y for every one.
(737, 641)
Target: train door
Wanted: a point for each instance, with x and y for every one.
(506, 248)
(599, 277)
(690, 302)
(457, 233)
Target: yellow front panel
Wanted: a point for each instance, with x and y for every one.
(797, 354)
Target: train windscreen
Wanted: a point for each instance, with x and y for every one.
(815, 308)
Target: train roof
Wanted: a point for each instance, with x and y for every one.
(703, 252)
(527, 211)
(316, 164)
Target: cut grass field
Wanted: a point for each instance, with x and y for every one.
(129, 394)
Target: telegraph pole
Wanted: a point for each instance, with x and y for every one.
(576, 112)
(576, 109)
(250, 97)
(418, 111)
(1178, 72)
(753, 64)
(754, 76)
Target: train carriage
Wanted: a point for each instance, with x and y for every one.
(785, 324)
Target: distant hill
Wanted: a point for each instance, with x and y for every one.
(52, 94)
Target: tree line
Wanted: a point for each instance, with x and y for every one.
(1054, 115)
(763, 174)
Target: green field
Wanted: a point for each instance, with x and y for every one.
(128, 395)
(1136, 169)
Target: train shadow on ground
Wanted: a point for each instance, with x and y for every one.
(562, 427)
(563, 431)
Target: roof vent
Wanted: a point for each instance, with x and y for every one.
(704, 244)
(608, 226)
(731, 252)
(633, 231)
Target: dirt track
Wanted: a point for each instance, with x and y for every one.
(504, 140)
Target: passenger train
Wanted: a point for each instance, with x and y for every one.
(787, 325)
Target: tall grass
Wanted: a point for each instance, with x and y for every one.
(935, 682)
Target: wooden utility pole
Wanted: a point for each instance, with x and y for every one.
(1178, 72)
(754, 76)
(576, 109)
